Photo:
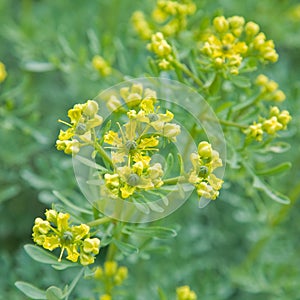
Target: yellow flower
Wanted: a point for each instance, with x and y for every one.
(121, 275)
(91, 245)
(159, 46)
(3, 73)
(110, 268)
(220, 24)
(101, 65)
(105, 297)
(272, 125)
(205, 149)
(140, 25)
(252, 29)
(255, 131)
(185, 293)
(98, 273)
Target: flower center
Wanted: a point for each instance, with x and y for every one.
(67, 236)
(203, 172)
(81, 128)
(130, 145)
(133, 179)
(153, 117)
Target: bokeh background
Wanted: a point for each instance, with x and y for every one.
(238, 247)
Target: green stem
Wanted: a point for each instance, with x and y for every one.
(100, 221)
(174, 180)
(187, 71)
(104, 155)
(233, 124)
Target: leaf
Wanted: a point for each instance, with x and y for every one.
(162, 295)
(155, 207)
(54, 293)
(152, 231)
(125, 248)
(39, 254)
(275, 170)
(89, 163)
(210, 79)
(67, 202)
(9, 192)
(241, 81)
(270, 192)
(30, 290)
(278, 147)
(141, 206)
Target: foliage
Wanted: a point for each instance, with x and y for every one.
(241, 246)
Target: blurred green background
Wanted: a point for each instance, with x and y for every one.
(232, 249)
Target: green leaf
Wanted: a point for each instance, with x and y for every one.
(9, 192)
(152, 231)
(275, 170)
(89, 163)
(39, 254)
(125, 248)
(162, 295)
(269, 191)
(30, 290)
(241, 81)
(279, 147)
(54, 293)
(68, 203)
(210, 79)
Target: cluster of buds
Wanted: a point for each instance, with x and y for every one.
(278, 120)
(83, 118)
(101, 65)
(110, 275)
(3, 73)
(162, 49)
(269, 89)
(56, 232)
(234, 40)
(168, 17)
(201, 176)
(185, 293)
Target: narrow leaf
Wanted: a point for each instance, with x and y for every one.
(153, 231)
(89, 163)
(275, 170)
(274, 195)
(125, 248)
(9, 192)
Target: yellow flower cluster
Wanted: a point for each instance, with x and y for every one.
(56, 232)
(201, 176)
(162, 49)
(3, 73)
(132, 147)
(232, 41)
(112, 272)
(278, 120)
(185, 293)
(168, 17)
(101, 65)
(83, 118)
(269, 89)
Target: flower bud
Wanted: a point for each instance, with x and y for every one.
(204, 149)
(251, 29)
(220, 24)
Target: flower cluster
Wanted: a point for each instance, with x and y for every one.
(269, 89)
(101, 65)
(111, 275)
(56, 232)
(3, 73)
(185, 293)
(230, 41)
(162, 49)
(132, 147)
(168, 17)
(112, 272)
(201, 176)
(83, 118)
(278, 120)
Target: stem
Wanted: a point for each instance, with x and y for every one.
(187, 71)
(99, 221)
(233, 124)
(174, 180)
(103, 154)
